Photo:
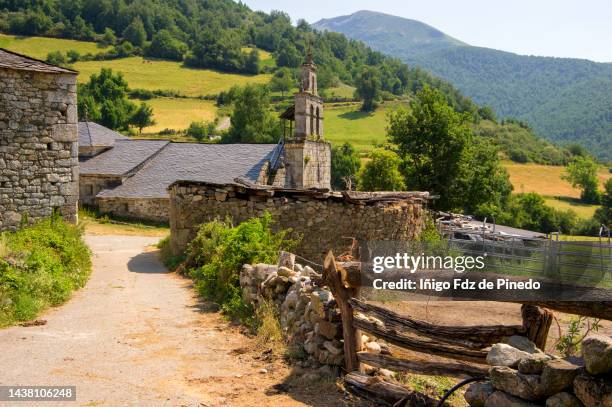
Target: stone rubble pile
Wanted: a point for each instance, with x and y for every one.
(523, 376)
(308, 314)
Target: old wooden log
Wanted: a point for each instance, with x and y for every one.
(474, 337)
(425, 367)
(424, 346)
(333, 277)
(599, 309)
(537, 323)
(387, 394)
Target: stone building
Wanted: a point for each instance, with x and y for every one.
(130, 177)
(38, 140)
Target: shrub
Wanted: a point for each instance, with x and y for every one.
(201, 130)
(219, 250)
(40, 266)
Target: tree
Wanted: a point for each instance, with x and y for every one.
(251, 119)
(56, 58)
(251, 63)
(104, 100)
(164, 45)
(288, 56)
(604, 214)
(345, 165)
(432, 139)
(381, 173)
(142, 117)
(73, 56)
(135, 32)
(282, 81)
(368, 88)
(109, 38)
(581, 172)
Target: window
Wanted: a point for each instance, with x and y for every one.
(311, 119)
(318, 122)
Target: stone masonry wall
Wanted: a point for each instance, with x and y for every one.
(308, 164)
(91, 185)
(38, 146)
(328, 220)
(153, 209)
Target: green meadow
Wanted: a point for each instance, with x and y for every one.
(39, 47)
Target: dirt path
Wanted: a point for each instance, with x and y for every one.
(137, 335)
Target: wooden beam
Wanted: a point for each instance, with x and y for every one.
(473, 337)
(424, 346)
(424, 367)
(386, 394)
(333, 277)
(537, 323)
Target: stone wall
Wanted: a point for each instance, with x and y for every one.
(152, 209)
(38, 146)
(307, 164)
(328, 219)
(523, 376)
(91, 185)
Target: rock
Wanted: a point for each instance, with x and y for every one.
(515, 383)
(597, 354)
(593, 391)
(502, 354)
(557, 375)
(534, 363)
(285, 272)
(263, 371)
(334, 350)
(477, 394)
(308, 271)
(563, 399)
(501, 399)
(286, 259)
(327, 329)
(373, 347)
(522, 343)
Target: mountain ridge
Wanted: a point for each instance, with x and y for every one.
(565, 99)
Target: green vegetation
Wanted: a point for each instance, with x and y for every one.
(143, 73)
(217, 253)
(345, 165)
(40, 266)
(251, 119)
(581, 172)
(178, 113)
(565, 100)
(604, 214)
(95, 223)
(346, 123)
(39, 47)
(381, 172)
(368, 89)
(104, 100)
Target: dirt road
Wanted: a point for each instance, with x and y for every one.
(137, 335)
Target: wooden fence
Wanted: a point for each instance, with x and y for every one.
(462, 347)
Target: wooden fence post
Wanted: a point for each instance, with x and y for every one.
(336, 279)
(536, 322)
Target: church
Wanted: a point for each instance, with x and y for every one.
(130, 177)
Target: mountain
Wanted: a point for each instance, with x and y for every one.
(565, 100)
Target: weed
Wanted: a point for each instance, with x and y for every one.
(579, 327)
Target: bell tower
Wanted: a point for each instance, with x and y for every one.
(308, 104)
(307, 157)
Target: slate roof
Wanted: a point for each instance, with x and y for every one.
(218, 163)
(94, 135)
(124, 157)
(12, 60)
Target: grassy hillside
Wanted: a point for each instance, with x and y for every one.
(39, 47)
(168, 75)
(346, 123)
(563, 99)
(177, 114)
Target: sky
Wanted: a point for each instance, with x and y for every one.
(560, 28)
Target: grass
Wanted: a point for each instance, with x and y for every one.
(346, 123)
(152, 74)
(96, 224)
(434, 386)
(545, 179)
(266, 59)
(341, 91)
(177, 114)
(39, 47)
(585, 211)
(40, 266)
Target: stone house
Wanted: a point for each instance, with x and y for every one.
(39, 169)
(130, 177)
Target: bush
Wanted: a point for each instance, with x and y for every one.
(216, 255)
(40, 266)
(201, 130)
